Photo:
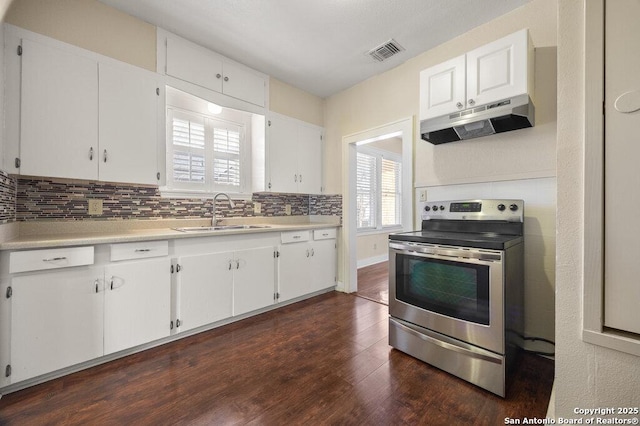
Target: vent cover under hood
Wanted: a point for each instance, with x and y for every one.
(502, 116)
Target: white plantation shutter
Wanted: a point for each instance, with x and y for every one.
(391, 193)
(366, 194)
(226, 153)
(206, 154)
(378, 190)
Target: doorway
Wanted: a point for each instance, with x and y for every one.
(403, 130)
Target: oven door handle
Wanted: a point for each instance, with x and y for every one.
(473, 353)
(438, 251)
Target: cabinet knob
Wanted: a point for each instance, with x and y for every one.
(218, 75)
(472, 102)
(459, 105)
(105, 155)
(226, 79)
(91, 154)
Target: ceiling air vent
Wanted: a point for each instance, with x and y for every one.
(385, 50)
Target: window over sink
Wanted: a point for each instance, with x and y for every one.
(210, 148)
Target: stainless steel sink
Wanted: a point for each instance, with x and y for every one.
(218, 228)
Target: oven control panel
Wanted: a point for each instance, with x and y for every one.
(480, 209)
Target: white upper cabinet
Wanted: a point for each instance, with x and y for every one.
(499, 70)
(197, 65)
(79, 115)
(128, 108)
(58, 113)
(295, 156)
(493, 72)
(442, 88)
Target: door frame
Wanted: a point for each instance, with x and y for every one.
(402, 128)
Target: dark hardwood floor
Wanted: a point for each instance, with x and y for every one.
(373, 282)
(320, 361)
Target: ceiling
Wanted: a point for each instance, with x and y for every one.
(319, 46)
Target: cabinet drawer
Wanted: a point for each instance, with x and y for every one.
(38, 260)
(294, 236)
(325, 234)
(139, 250)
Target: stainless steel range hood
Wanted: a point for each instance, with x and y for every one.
(502, 116)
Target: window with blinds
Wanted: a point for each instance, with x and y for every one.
(378, 190)
(206, 153)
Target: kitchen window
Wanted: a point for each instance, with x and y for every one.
(378, 190)
(209, 148)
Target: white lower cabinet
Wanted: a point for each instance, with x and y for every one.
(56, 321)
(136, 303)
(204, 289)
(306, 265)
(253, 279)
(212, 287)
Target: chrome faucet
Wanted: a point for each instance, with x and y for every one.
(213, 218)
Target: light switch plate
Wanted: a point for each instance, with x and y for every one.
(95, 206)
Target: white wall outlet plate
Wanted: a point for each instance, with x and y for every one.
(287, 209)
(257, 207)
(423, 195)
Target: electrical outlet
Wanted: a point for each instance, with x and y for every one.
(257, 208)
(95, 206)
(287, 209)
(375, 246)
(423, 195)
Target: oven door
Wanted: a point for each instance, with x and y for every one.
(456, 291)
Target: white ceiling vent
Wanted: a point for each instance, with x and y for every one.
(385, 50)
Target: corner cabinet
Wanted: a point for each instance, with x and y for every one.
(490, 73)
(79, 115)
(295, 155)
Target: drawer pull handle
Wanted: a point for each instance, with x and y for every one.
(325, 235)
(296, 237)
(53, 259)
(142, 250)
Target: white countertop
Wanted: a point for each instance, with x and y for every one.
(62, 234)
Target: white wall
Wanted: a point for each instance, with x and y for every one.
(587, 375)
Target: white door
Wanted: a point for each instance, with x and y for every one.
(323, 264)
(59, 113)
(136, 303)
(622, 180)
(283, 154)
(128, 125)
(442, 88)
(309, 159)
(253, 279)
(243, 84)
(56, 321)
(294, 270)
(205, 289)
(498, 70)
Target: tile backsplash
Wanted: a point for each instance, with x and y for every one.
(30, 199)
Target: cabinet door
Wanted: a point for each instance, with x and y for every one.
(56, 321)
(205, 289)
(498, 70)
(294, 272)
(243, 84)
(309, 159)
(442, 88)
(136, 303)
(128, 125)
(190, 62)
(283, 153)
(253, 279)
(59, 113)
(323, 264)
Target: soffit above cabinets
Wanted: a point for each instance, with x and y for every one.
(317, 45)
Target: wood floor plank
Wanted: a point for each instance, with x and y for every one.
(321, 361)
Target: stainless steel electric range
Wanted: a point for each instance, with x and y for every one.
(456, 289)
